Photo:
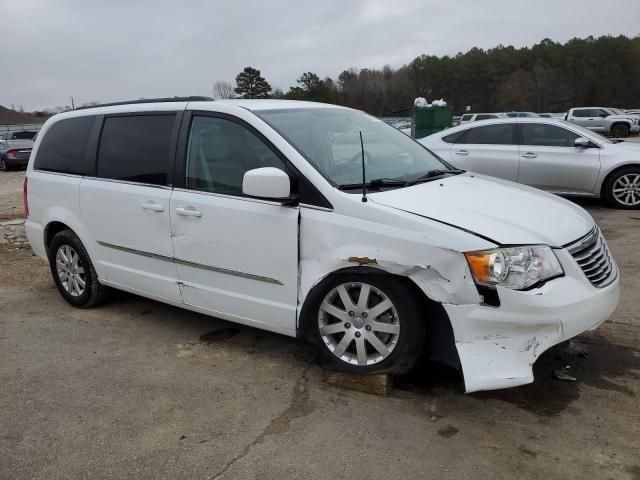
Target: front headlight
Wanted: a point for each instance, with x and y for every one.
(514, 267)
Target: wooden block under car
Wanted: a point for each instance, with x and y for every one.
(379, 384)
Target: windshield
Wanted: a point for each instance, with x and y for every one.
(329, 138)
(586, 132)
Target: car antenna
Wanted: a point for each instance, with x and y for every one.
(364, 177)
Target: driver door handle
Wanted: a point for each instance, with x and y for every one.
(461, 152)
(188, 212)
(530, 155)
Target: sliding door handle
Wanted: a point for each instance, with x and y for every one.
(188, 212)
(154, 207)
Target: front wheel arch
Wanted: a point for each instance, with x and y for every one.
(439, 344)
(623, 124)
(607, 180)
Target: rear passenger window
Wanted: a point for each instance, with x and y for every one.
(135, 148)
(220, 152)
(64, 146)
(500, 134)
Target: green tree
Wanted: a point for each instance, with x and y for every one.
(250, 84)
(310, 87)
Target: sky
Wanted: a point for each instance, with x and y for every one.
(126, 49)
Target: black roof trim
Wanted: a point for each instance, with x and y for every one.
(194, 98)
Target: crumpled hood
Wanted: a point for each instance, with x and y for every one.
(503, 211)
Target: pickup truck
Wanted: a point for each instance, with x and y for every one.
(607, 120)
(15, 149)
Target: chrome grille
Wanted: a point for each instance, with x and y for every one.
(592, 255)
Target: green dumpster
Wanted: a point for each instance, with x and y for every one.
(428, 120)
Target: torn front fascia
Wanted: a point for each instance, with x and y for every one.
(489, 295)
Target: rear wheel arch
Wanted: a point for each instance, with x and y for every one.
(72, 269)
(51, 230)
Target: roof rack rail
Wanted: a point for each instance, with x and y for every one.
(194, 98)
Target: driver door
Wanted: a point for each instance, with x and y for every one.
(549, 160)
(237, 257)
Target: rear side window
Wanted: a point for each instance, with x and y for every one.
(501, 134)
(466, 117)
(485, 116)
(540, 134)
(22, 135)
(63, 148)
(584, 112)
(454, 137)
(135, 148)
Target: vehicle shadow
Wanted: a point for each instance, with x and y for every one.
(587, 360)
(559, 373)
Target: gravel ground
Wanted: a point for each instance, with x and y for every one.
(11, 204)
(138, 389)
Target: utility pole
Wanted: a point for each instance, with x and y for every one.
(73, 106)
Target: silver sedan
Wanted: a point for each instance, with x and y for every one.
(553, 155)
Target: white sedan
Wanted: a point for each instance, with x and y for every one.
(553, 155)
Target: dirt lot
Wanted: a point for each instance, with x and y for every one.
(137, 389)
(11, 185)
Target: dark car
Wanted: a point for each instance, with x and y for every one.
(15, 149)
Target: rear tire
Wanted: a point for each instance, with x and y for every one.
(622, 189)
(73, 272)
(620, 130)
(357, 334)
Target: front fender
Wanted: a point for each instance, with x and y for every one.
(330, 242)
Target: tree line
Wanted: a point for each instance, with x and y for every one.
(547, 77)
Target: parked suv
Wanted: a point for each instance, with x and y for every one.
(605, 120)
(255, 211)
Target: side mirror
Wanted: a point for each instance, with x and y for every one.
(582, 142)
(267, 182)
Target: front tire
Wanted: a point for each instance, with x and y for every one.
(364, 324)
(620, 130)
(622, 189)
(73, 272)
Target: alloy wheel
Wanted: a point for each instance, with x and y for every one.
(70, 270)
(626, 189)
(359, 323)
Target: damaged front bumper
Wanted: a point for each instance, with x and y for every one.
(497, 346)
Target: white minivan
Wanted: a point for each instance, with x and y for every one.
(255, 211)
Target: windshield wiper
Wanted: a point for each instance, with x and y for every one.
(376, 183)
(432, 174)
